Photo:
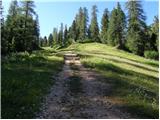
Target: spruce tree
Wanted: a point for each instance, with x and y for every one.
(55, 36)
(50, 40)
(4, 44)
(36, 33)
(136, 27)
(61, 36)
(112, 30)
(85, 22)
(73, 31)
(94, 29)
(76, 26)
(28, 9)
(116, 31)
(82, 23)
(121, 25)
(45, 42)
(155, 34)
(104, 26)
(10, 25)
(65, 35)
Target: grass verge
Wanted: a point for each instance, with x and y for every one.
(25, 80)
(134, 78)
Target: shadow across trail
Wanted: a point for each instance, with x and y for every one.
(79, 93)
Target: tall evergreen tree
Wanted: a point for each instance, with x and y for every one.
(155, 34)
(41, 42)
(28, 9)
(55, 36)
(104, 26)
(45, 41)
(50, 40)
(94, 29)
(116, 31)
(76, 24)
(136, 27)
(85, 21)
(65, 35)
(82, 23)
(10, 25)
(112, 30)
(73, 31)
(3, 32)
(61, 38)
(36, 33)
(121, 25)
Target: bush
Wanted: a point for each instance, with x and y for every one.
(151, 55)
(85, 41)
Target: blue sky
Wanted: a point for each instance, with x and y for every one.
(52, 13)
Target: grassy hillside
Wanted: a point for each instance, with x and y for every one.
(134, 78)
(25, 80)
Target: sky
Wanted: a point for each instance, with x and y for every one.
(52, 13)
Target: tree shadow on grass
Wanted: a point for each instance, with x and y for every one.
(154, 64)
(123, 87)
(24, 82)
(120, 61)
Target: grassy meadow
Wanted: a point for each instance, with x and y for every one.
(134, 78)
(27, 78)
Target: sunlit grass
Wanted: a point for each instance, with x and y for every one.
(134, 78)
(25, 80)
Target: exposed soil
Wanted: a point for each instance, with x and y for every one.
(79, 92)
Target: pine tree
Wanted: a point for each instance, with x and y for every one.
(61, 39)
(10, 25)
(116, 31)
(3, 33)
(55, 36)
(36, 33)
(155, 34)
(104, 26)
(121, 25)
(73, 31)
(82, 23)
(136, 27)
(41, 42)
(28, 9)
(76, 24)
(85, 22)
(50, 40)
(112, 30)
(45, 42)
(65, 35)
(94, 29)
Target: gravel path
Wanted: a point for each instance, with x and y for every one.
(90, 102)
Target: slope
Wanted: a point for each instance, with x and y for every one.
(135, 79)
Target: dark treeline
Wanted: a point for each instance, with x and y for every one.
(20, 30)
(128, 32)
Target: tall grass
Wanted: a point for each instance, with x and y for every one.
(25, 80)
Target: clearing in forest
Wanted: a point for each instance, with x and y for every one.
(79, 93)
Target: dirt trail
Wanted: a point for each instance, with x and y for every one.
(87, 98)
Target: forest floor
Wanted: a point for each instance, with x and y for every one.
(78, 93)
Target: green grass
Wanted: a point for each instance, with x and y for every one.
(134, 78)
(25, 80)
